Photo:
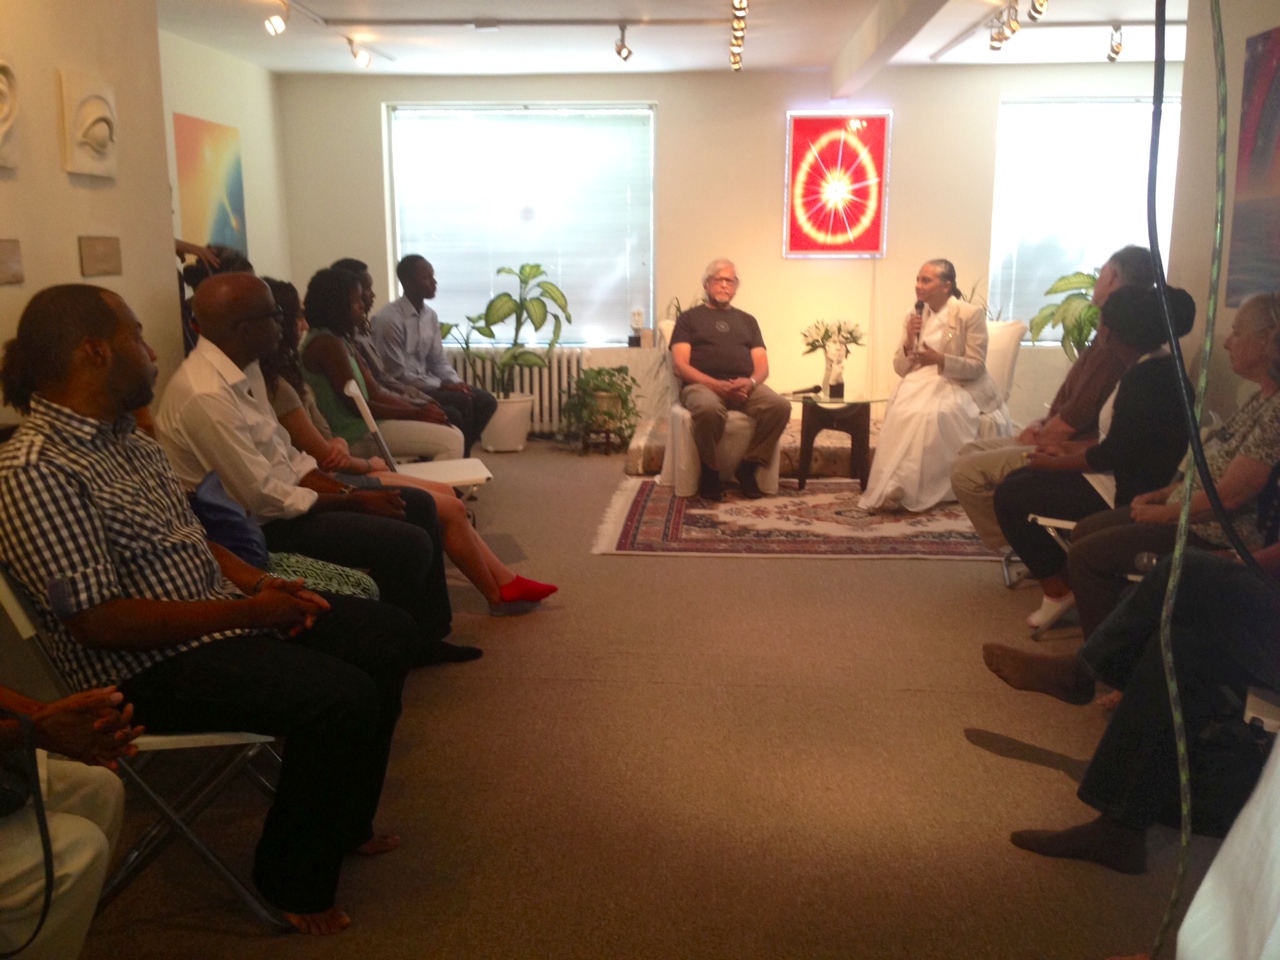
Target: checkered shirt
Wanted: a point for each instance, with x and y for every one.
(91, 512)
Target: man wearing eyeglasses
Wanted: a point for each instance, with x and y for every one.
(215, 415)
(719, 355)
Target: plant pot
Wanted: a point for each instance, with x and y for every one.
(608, 405)
(509, 428)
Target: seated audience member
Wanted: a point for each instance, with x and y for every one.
(209, 260)
(1225, 634)
(195, 639)
(1240, 455)
(720, 356)
(1073, 415)
(84, 807)
(362, 337)
(215, 415)
(294, 405)
(944, 391)
(1143, 436)
(334, 310)
(406, 333)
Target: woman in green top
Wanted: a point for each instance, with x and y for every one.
(506, 592)
(335, 309)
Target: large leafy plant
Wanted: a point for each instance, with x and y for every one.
(1075, 314)
(530, 308)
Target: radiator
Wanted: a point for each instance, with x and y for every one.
(548, 385)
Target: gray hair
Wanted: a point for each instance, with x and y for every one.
(715, 266)
(1260, 314)
(1134, 265)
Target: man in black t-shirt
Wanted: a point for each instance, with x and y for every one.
(720, 356)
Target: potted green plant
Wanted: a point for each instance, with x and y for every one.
(530, 309)
(1075, 314)
(601, 400)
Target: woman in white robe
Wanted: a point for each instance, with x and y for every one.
(936, 408)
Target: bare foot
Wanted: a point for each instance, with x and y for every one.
(1059, 676)
(378, 845)
(333, 920)
(1101, 841)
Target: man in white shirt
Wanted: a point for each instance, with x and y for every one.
(215, 415)
(406, 334)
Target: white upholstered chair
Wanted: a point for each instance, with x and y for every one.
(1004, 340)
(681, 465)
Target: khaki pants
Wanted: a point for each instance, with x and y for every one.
(980, 468)
(770, 412)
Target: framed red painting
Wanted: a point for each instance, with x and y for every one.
(837, 180)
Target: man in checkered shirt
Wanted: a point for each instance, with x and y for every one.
(97, 532)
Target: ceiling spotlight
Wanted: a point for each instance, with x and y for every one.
(735, 60)
(1011, 24)
(362, 56)
(998, 36)
(739, 25)
(739, 8)
(1117, 44)
(275, 24)
(735, 46)
(621, 48)
(1037, 9)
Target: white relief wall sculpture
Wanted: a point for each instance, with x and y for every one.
(88, 124)
(8, 114)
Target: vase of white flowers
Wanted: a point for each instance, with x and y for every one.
(833, 338)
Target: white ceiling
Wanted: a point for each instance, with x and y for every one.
(781, 34)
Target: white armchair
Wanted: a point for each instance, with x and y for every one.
(1004, 340)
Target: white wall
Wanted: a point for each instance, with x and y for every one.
(46, 208)
(720, 143)
(213, 86)
(1191, 245)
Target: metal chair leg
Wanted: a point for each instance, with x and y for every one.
(1011, 577)
(175, 822)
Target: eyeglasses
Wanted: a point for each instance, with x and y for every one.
(731, 281)
(276, 314)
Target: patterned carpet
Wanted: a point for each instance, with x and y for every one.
(823, 520)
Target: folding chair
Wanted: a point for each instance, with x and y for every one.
(175, 819)
(462, 474)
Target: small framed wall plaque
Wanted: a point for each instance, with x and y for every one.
(100, 257)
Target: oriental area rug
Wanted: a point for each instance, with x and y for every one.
(823, 520)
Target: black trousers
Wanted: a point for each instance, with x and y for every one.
(1048, 493)
(334, 693)
(404, 557)
(1225, 633)
(470, 413)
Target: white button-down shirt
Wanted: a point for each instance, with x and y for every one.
(215, 416)
(409, 343)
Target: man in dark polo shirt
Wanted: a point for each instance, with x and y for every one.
(720, 357)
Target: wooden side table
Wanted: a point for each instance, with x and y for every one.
(853, 418)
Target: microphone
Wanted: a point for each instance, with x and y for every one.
(915, 348)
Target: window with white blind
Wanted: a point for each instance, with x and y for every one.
(475, 188)
(1071, 189)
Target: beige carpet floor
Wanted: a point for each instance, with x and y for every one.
(700, 758)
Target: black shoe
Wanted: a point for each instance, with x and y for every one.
(746, 474)
(710, 486)
(443, 652)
